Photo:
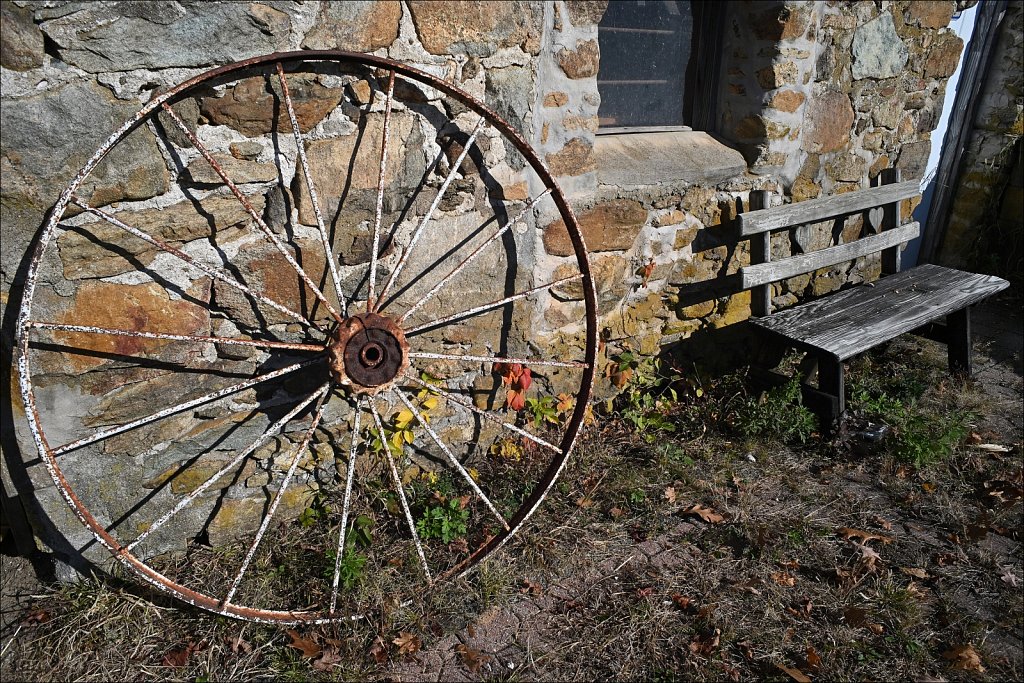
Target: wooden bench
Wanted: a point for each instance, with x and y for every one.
(843, 324)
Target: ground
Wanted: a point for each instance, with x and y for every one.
(735, 545)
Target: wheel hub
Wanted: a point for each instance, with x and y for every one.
(367, 352)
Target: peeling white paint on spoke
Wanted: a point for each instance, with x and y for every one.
(197, 339)
(296, 457)
(486, 307)
(378, 210)
(187, 500)
(397, 480)
(469, 259)
(483, 413)
(216, 274)
(213, 396)
(345, 506)
(252, 212)
(300, 146)
(451, 458)
(433, 207)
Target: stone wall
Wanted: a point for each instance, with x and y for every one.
(983, 232)
(815, 99)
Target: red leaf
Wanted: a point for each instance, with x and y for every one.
(515, 400)
(525, 379)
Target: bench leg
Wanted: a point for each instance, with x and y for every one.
(958, 343)
(830, 381)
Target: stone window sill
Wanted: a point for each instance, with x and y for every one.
(632, 160)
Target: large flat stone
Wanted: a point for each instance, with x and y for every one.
(477, 28)
(355, 26)
(611, 226)
(99, 249)
(691, 157)
(255, 106)
(877, 51)
(121, 36)
(344, 165)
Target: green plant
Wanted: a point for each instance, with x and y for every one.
(446, 521)
(920, 435)
(543, 409)
(351, 569)
(318, 509)
(778, 413)
(647, 396)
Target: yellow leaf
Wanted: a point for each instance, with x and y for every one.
(408, 435)
(473, 473)
(404, 419)
(430, 403)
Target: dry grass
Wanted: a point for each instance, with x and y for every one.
(618, 579)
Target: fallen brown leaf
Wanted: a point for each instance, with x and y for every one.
(915, 572)
(849, 534)
(964, 657)
(584, 503)
(882, 522)
(813, 659)
(867, 555)
(530, 587)
(473, 659)
(670, 494)
(307, 647)
(407, 643)
(238, 644)
(1008, 577)
(179, 657)
(707, 514)
(36, 616)
(327, 660)
(681, 601)
(705, 643)
(379, 651)
(795, 674)
(616, 512)
(784, 578)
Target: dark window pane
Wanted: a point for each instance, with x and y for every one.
(645, 49)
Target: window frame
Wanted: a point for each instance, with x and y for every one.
(700, 96)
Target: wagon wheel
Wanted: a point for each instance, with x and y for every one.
(387, 413)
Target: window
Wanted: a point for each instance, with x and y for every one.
(659, 61)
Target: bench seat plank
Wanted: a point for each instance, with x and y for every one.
(852, 321)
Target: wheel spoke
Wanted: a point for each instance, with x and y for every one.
(213, 396)
(401, 493)
(300, 145)
(372, 284)
(496, 359)
(430, 212)
(187, 500)
(345, 505)
(486, 307)
(215, 274)
(469, 259)
(198, 339)
(452, 459)
(279, 496)
(252, 212)
(483, 413)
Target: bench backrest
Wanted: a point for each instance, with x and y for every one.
(883, 231)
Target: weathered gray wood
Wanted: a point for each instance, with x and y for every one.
(816, 210)
(852, 321)
(890, 218)
(760, 252)
(763, 273)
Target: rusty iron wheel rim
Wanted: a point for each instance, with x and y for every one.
(389, 339)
